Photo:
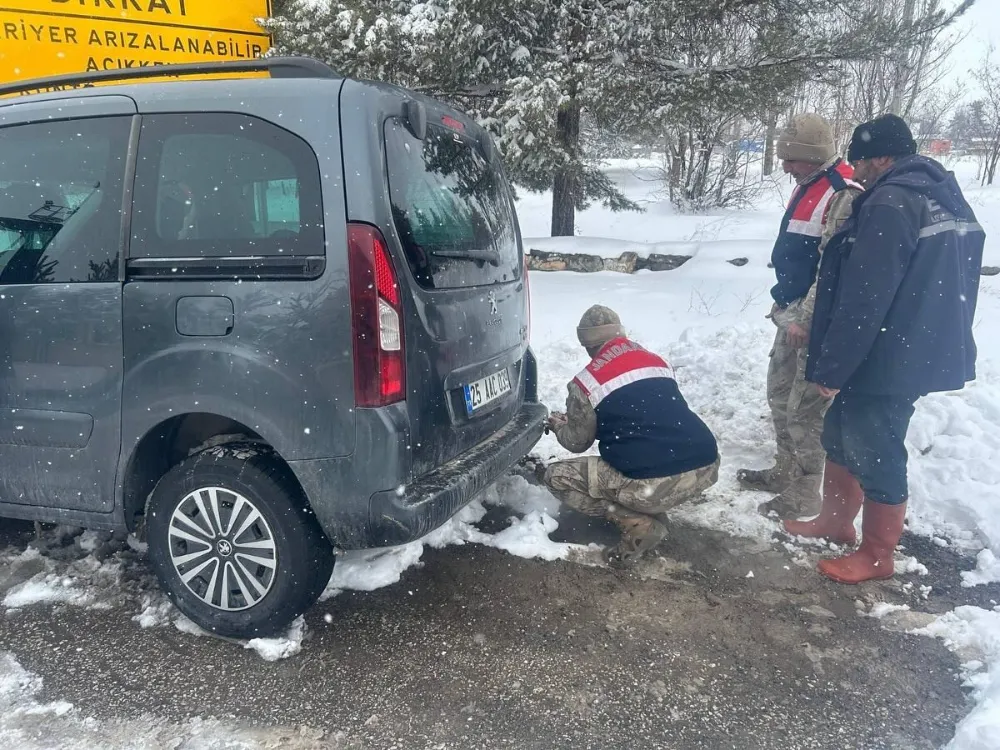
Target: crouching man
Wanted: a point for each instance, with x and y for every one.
(655, 452)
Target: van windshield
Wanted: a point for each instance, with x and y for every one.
(452, 209)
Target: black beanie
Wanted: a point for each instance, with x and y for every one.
(884, 136)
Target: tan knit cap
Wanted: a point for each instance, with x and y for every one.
(808, 138)
(598, 326)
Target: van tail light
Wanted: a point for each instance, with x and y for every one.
(376, 319)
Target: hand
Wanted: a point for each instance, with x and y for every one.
(556, 420)
(796, 335)
(828, 392)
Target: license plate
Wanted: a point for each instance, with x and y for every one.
(486, 391)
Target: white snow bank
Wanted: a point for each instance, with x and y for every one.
(974, 635)
(954, 472)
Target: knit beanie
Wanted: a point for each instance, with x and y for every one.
(884, 136)
(807, 138)
(598, 326)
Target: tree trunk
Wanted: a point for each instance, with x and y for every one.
(566, 185)
(769, 136)
(991, 165)
(900, 68)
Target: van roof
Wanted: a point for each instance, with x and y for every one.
(162, 77)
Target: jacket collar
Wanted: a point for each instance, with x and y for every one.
(821, 172)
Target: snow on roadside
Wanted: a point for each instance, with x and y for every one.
(32, 578)
(526, 536)
(28, 724)
(974, 635)
(48, 588)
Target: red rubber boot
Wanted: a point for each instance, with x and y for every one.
(881, 528)
(842, 499)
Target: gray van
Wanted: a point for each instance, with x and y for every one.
(253, 319)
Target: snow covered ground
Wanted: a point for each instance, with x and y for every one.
(707, 319)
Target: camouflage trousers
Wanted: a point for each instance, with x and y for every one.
(797, 407)
(592, 486)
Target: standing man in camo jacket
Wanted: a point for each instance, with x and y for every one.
(820, 203)
(655, 452)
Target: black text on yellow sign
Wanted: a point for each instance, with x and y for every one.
(40, 38)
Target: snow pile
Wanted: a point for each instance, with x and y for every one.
(987, 569)
(81, 582)
(526, 536)
(46, 588)
(974, 635)
(273, 649)
(954, 444)
(16, 687)
(158, 611)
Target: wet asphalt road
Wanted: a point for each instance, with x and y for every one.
(478, 649)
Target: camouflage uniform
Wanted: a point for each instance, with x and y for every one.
(797, 408)
(592, 486)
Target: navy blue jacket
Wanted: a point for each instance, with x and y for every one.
(645, 428)
(898, 286)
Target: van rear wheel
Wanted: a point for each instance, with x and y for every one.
(234, 544)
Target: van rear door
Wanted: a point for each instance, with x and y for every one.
(456, 231)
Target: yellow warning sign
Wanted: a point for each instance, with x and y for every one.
(41, 38)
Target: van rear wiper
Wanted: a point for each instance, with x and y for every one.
(490, 256)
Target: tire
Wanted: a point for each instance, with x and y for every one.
(231, 589)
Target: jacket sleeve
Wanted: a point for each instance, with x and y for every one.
(885, 242)
(580, 430)
(840, 209)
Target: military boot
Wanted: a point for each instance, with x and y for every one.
(640, 533)
(800, 498)
(775, 479)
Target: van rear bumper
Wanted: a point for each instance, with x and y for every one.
(397, 518)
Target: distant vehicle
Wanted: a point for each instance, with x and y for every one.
(750, 146)
(253, 319)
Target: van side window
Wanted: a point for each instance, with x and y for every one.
(224, 186)
(61, 189)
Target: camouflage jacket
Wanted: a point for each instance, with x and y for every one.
(580, 430)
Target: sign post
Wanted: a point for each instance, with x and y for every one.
(40, 38)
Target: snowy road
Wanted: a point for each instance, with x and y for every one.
(480, 649)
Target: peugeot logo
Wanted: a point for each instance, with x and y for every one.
(493, 303)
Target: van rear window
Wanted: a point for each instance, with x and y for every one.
(452, 209)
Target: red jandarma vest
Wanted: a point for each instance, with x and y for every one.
(644, 426)
(619, 363)
(796, 252)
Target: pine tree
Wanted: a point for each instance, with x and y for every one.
(533, 70)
